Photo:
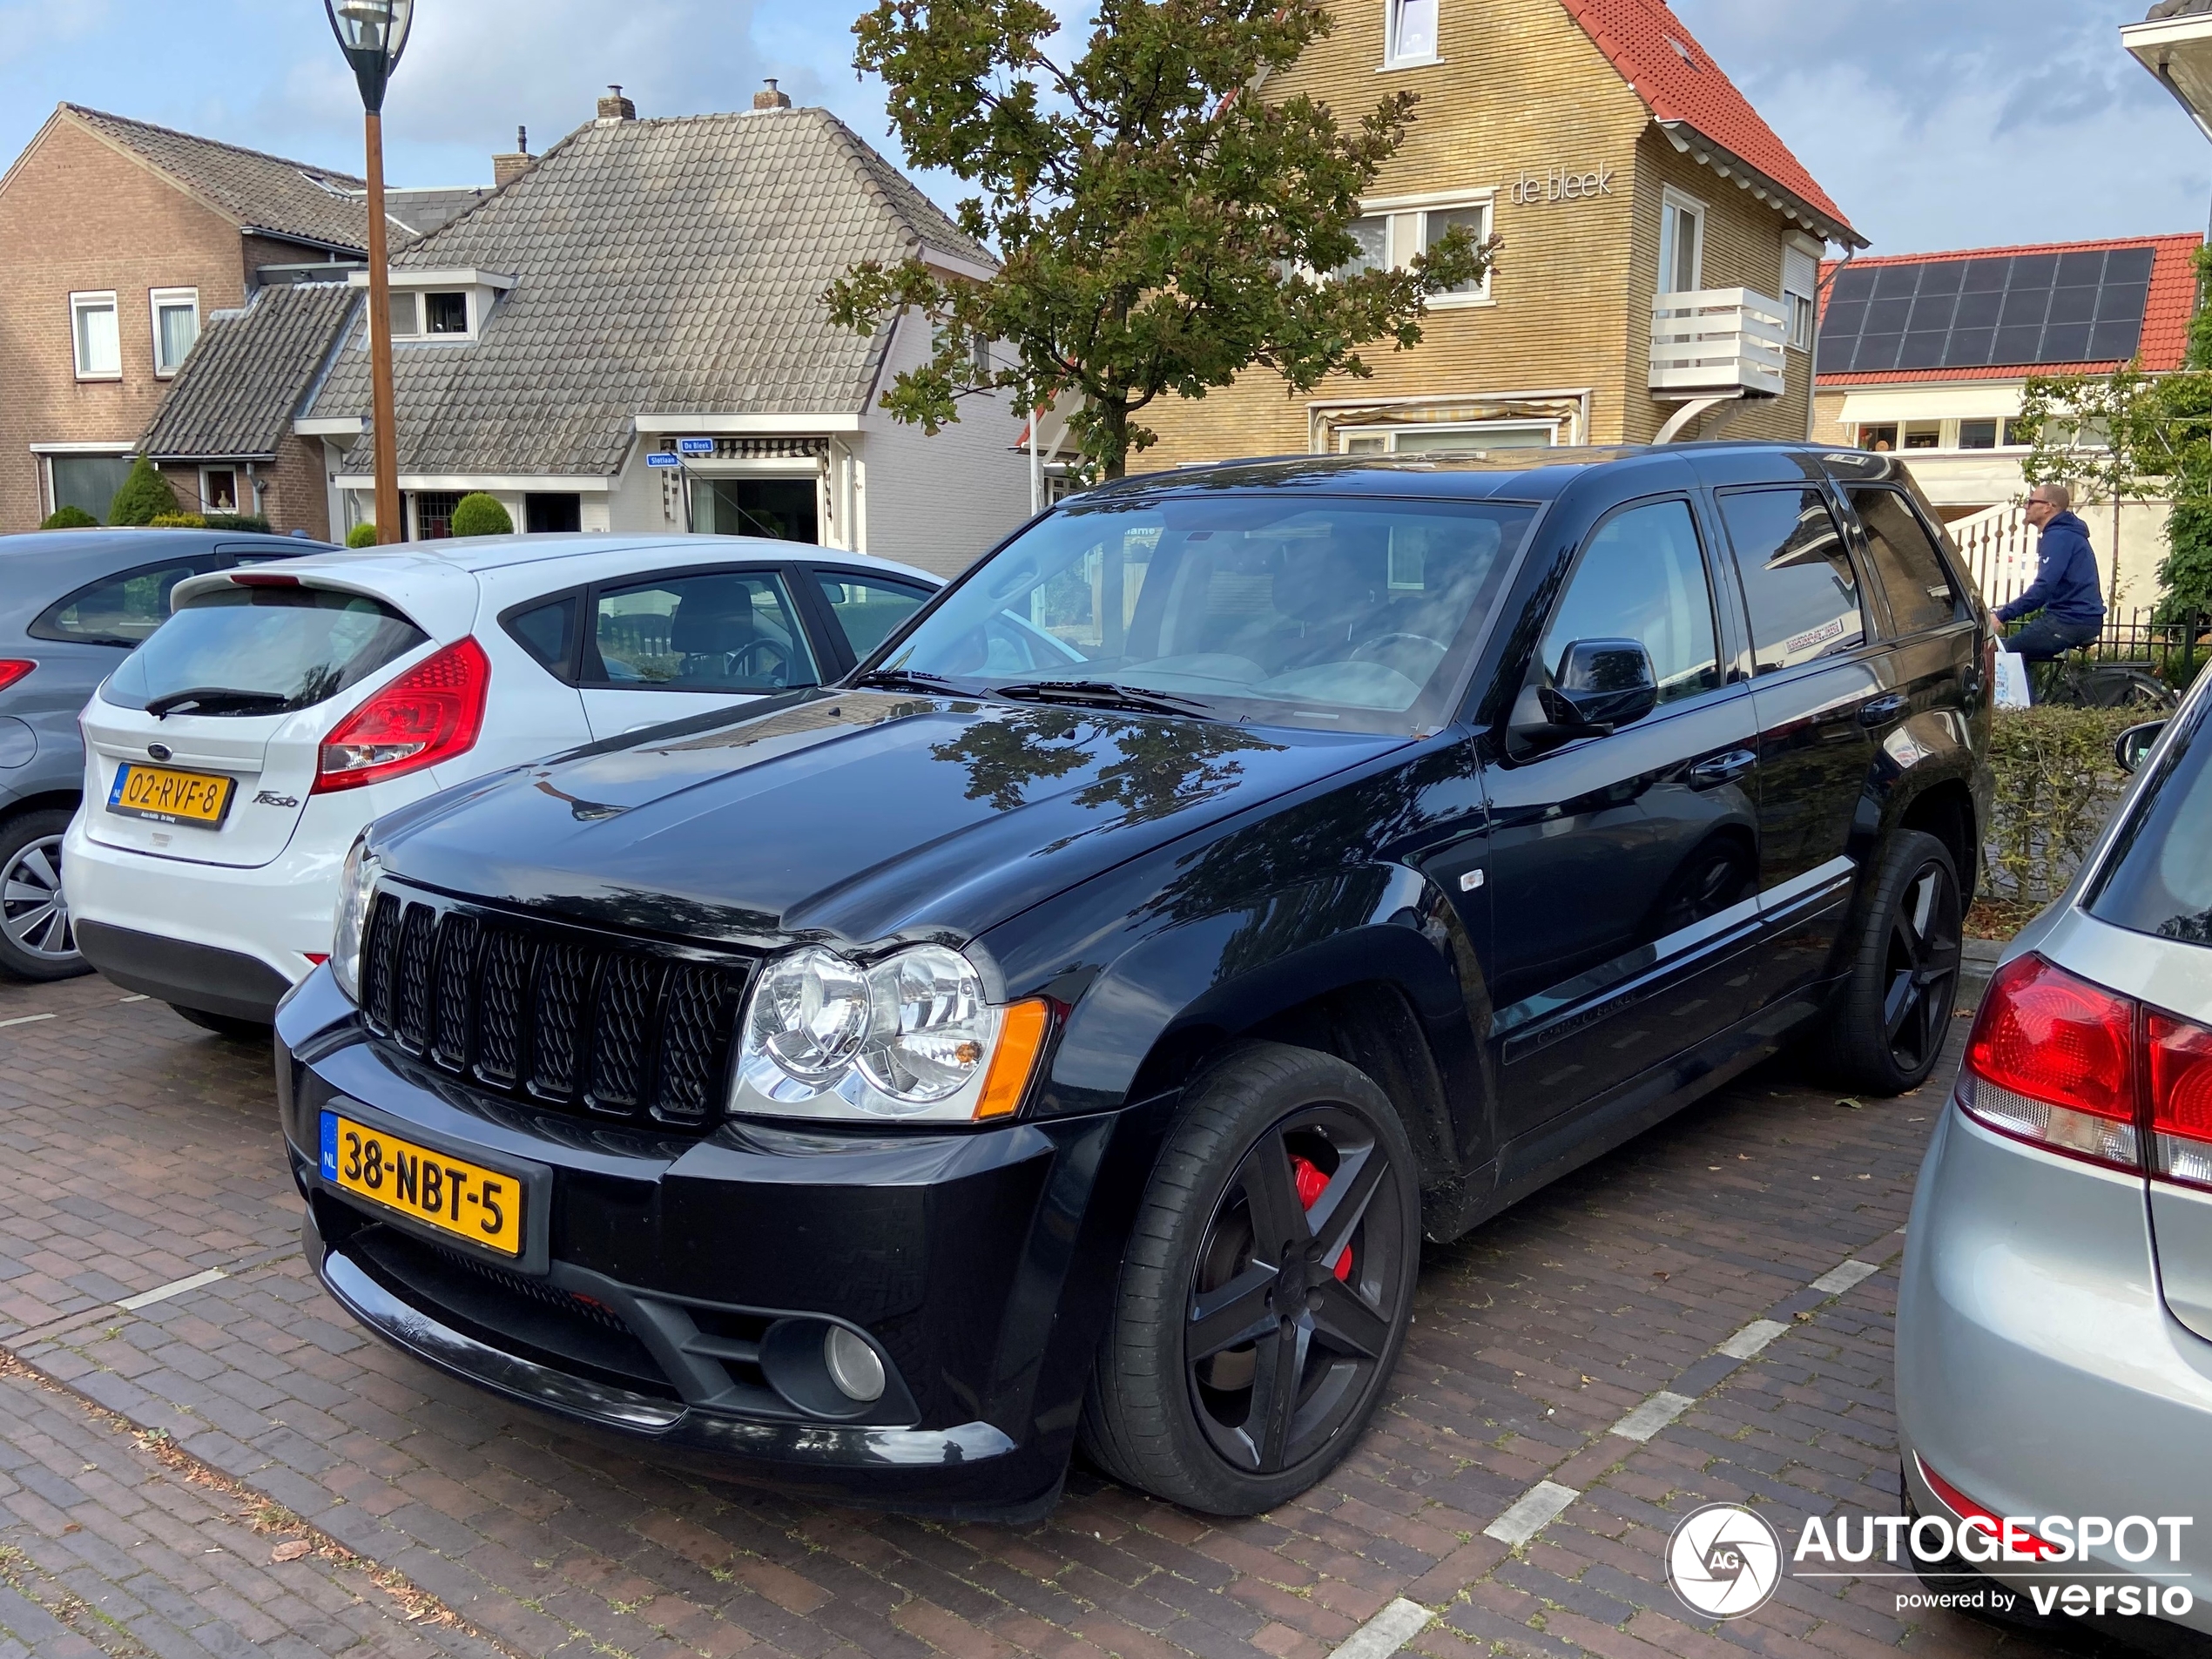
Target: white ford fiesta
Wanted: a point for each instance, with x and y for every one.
(232, 759)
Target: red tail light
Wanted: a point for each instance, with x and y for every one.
(2079, 1070)
(431, 713)
(13, 669)
(2181, 1100)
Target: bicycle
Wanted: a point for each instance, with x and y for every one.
(2077, 680)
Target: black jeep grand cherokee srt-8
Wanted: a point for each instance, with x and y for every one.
(1069, 1027)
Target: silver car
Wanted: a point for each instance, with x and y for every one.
(2054, 1325)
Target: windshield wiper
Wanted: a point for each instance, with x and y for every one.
(1105, 694)
(906, 679)
(207, 700)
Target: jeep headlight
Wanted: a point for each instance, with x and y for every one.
(912, 1037)
(356, 887)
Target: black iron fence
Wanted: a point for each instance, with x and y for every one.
(2171, 646)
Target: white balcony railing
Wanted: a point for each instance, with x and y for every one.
(1714, 341)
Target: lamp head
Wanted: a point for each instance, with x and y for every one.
(372, 34)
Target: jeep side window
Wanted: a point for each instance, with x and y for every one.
(1906, 564)
(1642, 577)
(1797, 576)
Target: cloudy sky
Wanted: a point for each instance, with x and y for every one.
(1934, 122)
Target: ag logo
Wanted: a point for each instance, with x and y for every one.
(1724, 1561)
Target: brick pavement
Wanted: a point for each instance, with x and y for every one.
(1533, 1338)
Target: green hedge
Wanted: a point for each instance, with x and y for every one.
(2056, 783)
(361, 536)
(69, 518)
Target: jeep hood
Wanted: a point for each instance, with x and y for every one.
(852, 817)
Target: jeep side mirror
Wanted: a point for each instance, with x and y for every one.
(2133, 745)
(1601, 684)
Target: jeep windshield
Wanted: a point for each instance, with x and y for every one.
(1336, 613)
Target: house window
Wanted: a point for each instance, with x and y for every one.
(1800, 281)
(176, 326)
(1427, 439)
(434, 514)
(445, 313)
(1924, 434)
(1412, 26)
(99, 343)
(2016, 434)
(1977, 435)
(1881, 438)
(87, 480)
(1436, 223)
(218, 489)
(1371, 232)
(1682, 244)
(406, 316)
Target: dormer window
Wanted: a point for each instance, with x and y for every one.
(440, 304)
(445, 313)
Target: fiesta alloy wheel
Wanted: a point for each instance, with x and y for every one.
(37, 941)
(1267, 1287)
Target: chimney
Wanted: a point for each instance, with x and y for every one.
(506, 169)
(616, 108)
(769, 99)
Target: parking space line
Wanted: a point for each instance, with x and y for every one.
(1843, 1275)
(1531, 1512)
(26, 1019)
(1753, 1337)
(175, 1287)
(1385, 1633)
(1652, 1415)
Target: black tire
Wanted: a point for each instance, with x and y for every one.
(223, 1025)
(1891, 1016)
(1227, 1183)
(36, 941)
(2135, 690)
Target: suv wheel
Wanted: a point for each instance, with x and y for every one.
(1267, 1287)
(36, 940)
(1892, 1015)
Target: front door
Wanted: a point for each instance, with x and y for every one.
(662, 648)
(1623, 869)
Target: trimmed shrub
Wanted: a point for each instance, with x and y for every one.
(252, 522)
(177, 522)
(146, 495)
(2057, 783)
(361, 536)
(69, 518)
(480, 515)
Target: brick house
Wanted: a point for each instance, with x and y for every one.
(1661, 244)
(119, 239)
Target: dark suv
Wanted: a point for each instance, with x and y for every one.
(1069, 1027)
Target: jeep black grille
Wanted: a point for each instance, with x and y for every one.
(558, 1015)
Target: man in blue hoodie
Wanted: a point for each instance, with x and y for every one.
(2065, 590)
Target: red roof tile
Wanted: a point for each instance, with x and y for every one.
(2167, 310)
(1678, 81)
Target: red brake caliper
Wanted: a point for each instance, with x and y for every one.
(1311, 1184)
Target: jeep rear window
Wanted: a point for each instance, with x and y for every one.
(262, 651)
(2158, 877)
(1338, 613)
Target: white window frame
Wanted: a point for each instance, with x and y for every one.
(237, 490)
(1801, 305)
(468, 314)
(78, 305)
(1406, 233)
(415, 306)
(1671, 203)
(1347, 435)
(158, 299)
(1392, 58)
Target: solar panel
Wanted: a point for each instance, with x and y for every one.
(2083, 307)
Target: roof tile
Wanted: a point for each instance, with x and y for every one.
(249, 373)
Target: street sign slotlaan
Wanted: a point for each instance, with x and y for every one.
(659, 459)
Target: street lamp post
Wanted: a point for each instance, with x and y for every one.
(373, 34)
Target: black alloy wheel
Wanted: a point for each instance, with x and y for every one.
(1923, 967)
(1892, 1015)
(1266, 1289)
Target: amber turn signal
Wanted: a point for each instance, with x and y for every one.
(1022, 1033)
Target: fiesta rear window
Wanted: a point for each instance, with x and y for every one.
(244, 652)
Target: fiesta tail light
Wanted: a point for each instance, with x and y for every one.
(2181, 1099)
(2023, 1541)
(13, 669)
(432, 712)
(2052, 1060)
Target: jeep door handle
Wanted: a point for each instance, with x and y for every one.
(1723, 768)
(1881, 710)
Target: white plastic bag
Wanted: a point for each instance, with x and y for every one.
(2012, 680)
